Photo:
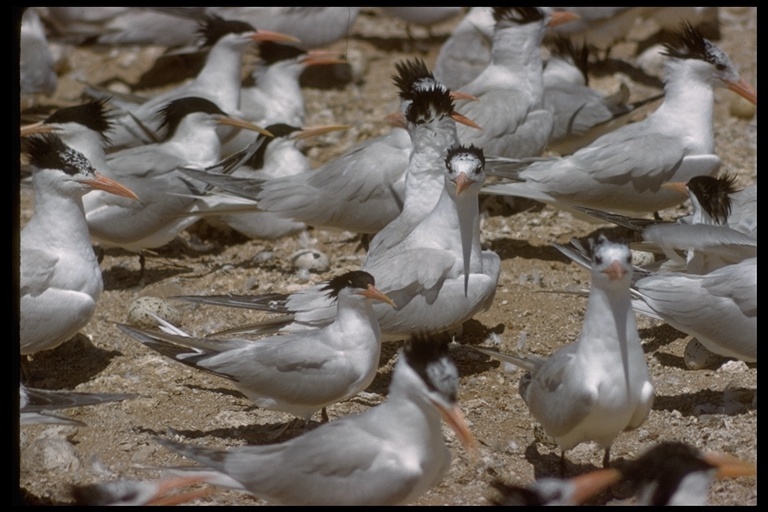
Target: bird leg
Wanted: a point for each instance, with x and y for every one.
(607, 458)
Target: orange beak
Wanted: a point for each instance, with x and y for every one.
(374, 293)
(745, 90)
(101, 182)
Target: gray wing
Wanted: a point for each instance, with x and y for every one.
(557, 397)
(337, 463)
(360, 191)
(719, 308)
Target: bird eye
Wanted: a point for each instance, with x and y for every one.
(599, 260)
(720, 67)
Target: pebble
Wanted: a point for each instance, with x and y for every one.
(50, 454)
(741, 108)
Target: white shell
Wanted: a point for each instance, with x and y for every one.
(697, 356)
(310, 259)
(138, 312)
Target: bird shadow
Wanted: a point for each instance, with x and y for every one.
(221, 390)
(508, 248)
(730, 402)
(119, 277)
(70, 364)
(548, 465)
(660, 336)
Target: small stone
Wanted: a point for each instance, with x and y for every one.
(50, 454)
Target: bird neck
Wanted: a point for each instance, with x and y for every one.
(277, 95)
(221, 76)
(459, 215)
(424, 174)
(688, 105)
(518, 49)
(356, 315)
(609, 316)
(198, 143)
(59, 216)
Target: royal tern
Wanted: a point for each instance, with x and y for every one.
(218, 81)
(154, 171)
(387, 455)
(597, 387)
(35, 405)
(676, 473)
(515, 123)
(623, 171)
(555, 491)
(438, 275)
(299, 373)
(60, 279)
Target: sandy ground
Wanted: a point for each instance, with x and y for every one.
(713, 408)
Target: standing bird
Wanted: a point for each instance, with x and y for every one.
(510, 90)
(437, 274)
(623, 171)
(388, 455)
(299, 373)
(597, 387)
(60, 279)
(218, 81)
